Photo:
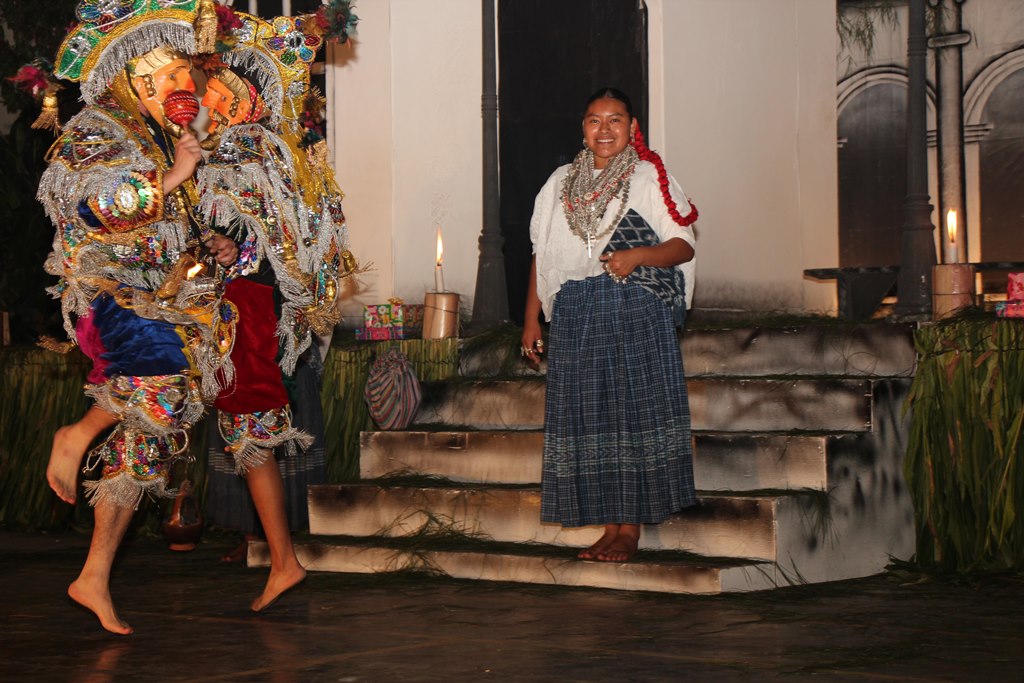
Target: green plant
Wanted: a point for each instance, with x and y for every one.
(858, 22)
(965, 456)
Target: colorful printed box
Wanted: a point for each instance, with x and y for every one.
(1013, 307)
(393, 320)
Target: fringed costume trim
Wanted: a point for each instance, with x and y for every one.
(252, 437)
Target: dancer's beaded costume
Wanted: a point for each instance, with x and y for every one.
(122, 249)
(281, 205)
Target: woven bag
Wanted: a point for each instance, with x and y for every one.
(392, 391)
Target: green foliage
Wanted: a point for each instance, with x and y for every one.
(41, 391)
(965, 456)
(858, 22)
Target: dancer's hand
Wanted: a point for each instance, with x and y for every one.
(223, 249)
(187, 155)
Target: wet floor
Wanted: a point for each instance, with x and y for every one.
(192, 623)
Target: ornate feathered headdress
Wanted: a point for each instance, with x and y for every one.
(278, 54)
(111, 33)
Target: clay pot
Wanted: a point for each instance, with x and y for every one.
(185, 524)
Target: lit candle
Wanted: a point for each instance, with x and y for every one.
(438, 273)
(950, 243)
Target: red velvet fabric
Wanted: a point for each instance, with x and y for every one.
(258, 384)
(92, 346)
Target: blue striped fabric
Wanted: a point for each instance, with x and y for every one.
(617, 445)
(667, 283)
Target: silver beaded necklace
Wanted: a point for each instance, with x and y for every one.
(585, 196)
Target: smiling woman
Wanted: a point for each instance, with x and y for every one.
(613, 263)
(607, 129)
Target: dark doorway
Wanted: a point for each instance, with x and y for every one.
(552, 56)
(872, 176)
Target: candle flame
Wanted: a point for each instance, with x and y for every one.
(440, 247)
(951, 225)
(194, 271)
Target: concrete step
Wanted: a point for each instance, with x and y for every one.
(485, 457)
(721, 526)
(861, 350)
(735, 405)
(808, 537)
(528, 564)
(722, 462)
(873, 349)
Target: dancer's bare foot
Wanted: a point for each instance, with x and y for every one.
(279, 583)
(97, 600)
(591, 553)
(623, 548)
(69, 446)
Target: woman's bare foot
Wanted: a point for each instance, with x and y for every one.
(591, 553)
(69, 446)
(97, 601)
(279, 583)
(623, 548)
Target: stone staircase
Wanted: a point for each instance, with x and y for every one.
(799, 437)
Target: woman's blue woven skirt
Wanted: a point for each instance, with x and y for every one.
(617, 445)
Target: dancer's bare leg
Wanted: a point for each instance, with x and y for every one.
(92, 587)
(624, 546)
(591, 553)
(267, 492)
(70, 443)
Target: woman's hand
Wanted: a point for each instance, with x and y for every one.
(223, 249)
(620, 264)
(532, 344)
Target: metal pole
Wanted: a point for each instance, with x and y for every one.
(490, 301)
(949, 77)
(917, 237)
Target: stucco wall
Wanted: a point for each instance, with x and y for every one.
(406, 139)
(749, 98)
(742, 109)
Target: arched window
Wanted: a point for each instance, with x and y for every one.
(872, 175)
(1001, 172)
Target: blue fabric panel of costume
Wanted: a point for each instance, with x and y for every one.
(137, 346)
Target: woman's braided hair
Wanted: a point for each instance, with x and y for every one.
(647, 154)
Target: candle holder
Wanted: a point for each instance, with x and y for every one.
(952, 289)
(440, 315)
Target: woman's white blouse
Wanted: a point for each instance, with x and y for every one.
(562, 256)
